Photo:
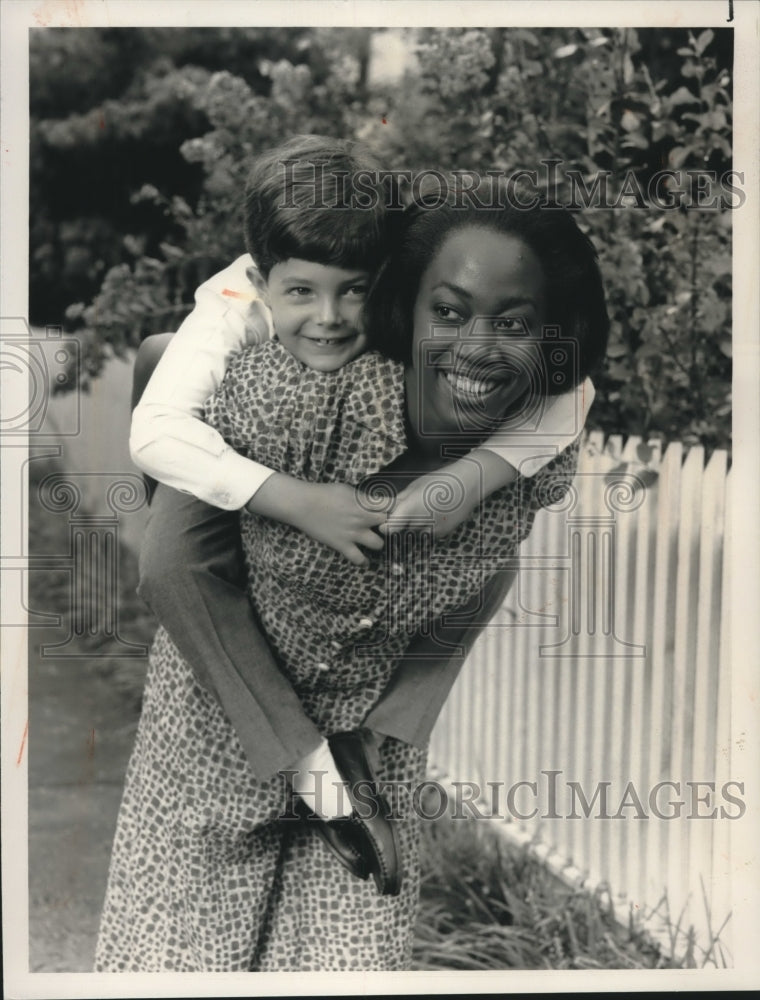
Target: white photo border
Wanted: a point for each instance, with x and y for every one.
(18, 16)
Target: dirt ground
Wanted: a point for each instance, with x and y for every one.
(81, 730)
(81, 717)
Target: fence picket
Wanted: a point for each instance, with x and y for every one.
(658, 697)
(722, 873)
(707, 663)
(681, 702)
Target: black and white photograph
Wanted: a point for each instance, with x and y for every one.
(380, 558)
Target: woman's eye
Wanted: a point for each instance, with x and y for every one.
(357, 291)
(448, 314)
(509, 324)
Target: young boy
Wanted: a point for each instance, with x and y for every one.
(191, 567)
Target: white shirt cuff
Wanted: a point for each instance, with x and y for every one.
(239, 478)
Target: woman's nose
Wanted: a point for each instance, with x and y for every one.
(473, 347)
(480, 327)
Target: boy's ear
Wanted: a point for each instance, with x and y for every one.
(258, 281)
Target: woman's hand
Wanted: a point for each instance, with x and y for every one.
(329, 512)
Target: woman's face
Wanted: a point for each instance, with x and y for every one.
(478, 318)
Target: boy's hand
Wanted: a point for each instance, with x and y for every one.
(437, 502)
(334, 516)
(329, 512)
(441, 501)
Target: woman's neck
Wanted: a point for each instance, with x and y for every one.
(421, 448)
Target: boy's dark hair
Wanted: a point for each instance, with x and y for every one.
(319, 199)
(575, 294)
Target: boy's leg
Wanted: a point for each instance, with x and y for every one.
(192, 576)
(414, 696)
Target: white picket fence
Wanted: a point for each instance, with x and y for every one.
(610, 663)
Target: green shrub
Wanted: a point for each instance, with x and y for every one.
(618, 102)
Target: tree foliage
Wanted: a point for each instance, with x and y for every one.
(140, 151)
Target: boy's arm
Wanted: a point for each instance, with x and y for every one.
(528, 451)
(169, 440)
(495, 464)
(329, 512)
(172, 443)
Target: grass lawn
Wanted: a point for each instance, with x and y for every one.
(487, 904)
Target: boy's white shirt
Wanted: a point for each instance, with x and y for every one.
(170, 441)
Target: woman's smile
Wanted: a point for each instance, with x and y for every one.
(464, 386)
(477, 379)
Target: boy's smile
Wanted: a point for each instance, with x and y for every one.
(317, 312)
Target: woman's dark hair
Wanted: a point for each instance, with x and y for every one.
(319, 199)
(575, 300)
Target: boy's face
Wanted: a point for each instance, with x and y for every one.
(316, 311)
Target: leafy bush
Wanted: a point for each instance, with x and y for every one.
(618, 103)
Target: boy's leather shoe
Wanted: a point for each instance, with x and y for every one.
(351, 751)
(342, 836)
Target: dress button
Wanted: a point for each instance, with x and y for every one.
(323, 666)
(365, 623)
(397, 569)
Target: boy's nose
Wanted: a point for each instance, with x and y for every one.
(328, 313)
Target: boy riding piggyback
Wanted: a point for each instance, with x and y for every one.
(314, 246)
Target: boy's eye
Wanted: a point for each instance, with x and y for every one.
(298, 291)
(448, 314)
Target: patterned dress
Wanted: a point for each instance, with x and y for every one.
(207, 872)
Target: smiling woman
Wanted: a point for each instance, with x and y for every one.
(479, 316)
(500, 309)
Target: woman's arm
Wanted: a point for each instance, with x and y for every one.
(414, 696)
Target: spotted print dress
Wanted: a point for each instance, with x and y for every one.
(208, 872)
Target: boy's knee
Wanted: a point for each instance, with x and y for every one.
(186, 541)
(148, 355)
